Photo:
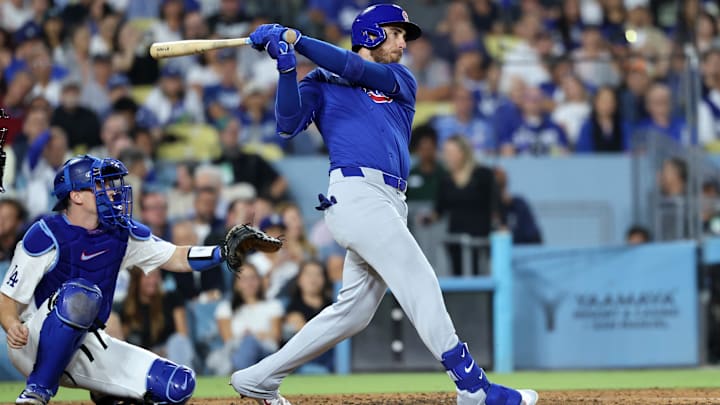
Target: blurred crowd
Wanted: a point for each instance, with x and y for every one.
(197, 133)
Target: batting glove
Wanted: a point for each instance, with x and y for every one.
(284, 54)
(264, 33)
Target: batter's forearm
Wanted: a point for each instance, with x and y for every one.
(8, 312)
(288, 107)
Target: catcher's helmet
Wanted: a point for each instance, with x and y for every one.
(367, 28)
(105, 177)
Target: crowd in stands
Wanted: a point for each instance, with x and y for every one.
(197, 133)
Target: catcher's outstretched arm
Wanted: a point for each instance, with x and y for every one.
(239, 242)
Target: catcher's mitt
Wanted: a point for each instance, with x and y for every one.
(243, 239)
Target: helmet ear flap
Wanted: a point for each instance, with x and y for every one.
(373, 36)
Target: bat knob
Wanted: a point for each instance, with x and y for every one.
(290, 36)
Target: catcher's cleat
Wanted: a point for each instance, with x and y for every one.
(34, 395)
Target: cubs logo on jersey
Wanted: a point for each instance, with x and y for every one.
(377, 96)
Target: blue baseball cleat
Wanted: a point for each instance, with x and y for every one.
(497, 395)
(34, 395)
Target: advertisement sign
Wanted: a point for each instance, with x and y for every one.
(617, 307)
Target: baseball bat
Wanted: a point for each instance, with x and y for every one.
(161, 50)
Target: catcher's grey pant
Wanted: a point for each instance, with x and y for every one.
(370, 220)
(116, 368)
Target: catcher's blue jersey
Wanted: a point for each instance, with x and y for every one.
(93, 255)
(363, 127)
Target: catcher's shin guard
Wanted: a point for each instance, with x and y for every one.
(168, 382)
(77, 303)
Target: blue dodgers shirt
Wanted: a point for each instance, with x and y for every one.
(361, 127)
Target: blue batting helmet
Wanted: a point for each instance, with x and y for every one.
(103, 176)
(367, 28)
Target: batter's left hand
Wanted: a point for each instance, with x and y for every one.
(265, 33)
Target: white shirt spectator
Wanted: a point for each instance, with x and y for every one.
(522, 61)
(279, 276)
(571, 116)
(163, 109)
(13, 17)
(256, 318)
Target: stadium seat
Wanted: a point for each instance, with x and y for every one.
(426, 109)
(140, 93)
(269, 151)
(144, 24)
(196, 142)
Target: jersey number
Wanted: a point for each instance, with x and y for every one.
(13, 278)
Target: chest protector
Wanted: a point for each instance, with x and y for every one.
(93, 255)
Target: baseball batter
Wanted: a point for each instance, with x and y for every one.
(363, 102)
(59, 289)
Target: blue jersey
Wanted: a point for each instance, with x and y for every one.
(362, 127)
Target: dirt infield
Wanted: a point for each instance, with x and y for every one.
(605, 397)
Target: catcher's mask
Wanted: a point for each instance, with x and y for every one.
(105, 177)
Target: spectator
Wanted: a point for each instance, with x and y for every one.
(153, 213)
(593, 61)
(250, 325)
(709, 207)
(276, 268)
(95, 90)
(12, 220)
(464, 122)
(223, 98)
(570, 113)
(661, 121)
(632, 93)
(508, 115)
(207, 206)
(468, 195)
(258, 121)
(102, 42)
(54, 34)
(647, 39)
(673, 177)
(709, 106)
(45, 156)
(312, 292)
(14, 13)
(36, 122)
(296, 241)
(77, 53)
(249, 167)
(431, 72)
(523, 60)
(426, 174)
(488, 98)
(230, 20)
(570, 25)
(114, 132)
(14, 101)
(80, 123)
(40, 66)
(637, 235)
(672, 205)
(706, 32)
(203, 287)
(515, 213)
(155, 320)
(537, 134)
(131, 57)
(170, 103)
(181, 195)
(171, 17)
(605, 130)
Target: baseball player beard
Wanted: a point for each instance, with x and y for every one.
(381, 55)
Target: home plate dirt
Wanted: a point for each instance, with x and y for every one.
(603, 397)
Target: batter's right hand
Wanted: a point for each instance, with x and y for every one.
(17, 336)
